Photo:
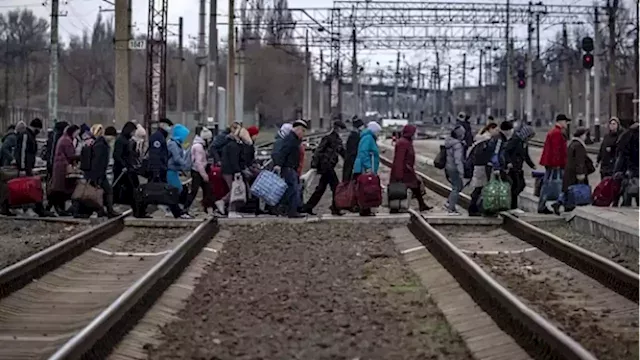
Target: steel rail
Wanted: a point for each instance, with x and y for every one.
(605, 271)
(150, 284)
(21, 273)
(539, 328)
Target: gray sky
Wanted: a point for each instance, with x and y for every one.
(81, 14)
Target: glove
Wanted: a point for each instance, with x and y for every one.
(277, 169)
(618, 176)
(580, 177)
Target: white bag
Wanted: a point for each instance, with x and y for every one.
(307, 179)
(238, 190)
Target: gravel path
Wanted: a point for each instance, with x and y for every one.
(22, 238)
(313, 291)
(622, 255)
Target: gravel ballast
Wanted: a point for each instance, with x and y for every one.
(20, 239)
(310, 291)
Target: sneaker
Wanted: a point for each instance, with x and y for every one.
(185, 216)
(234, 215)
(296, 216)
(220, 206)
(453, 213)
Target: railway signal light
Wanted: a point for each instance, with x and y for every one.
(587, 61)
(522, 82)
(587, 44)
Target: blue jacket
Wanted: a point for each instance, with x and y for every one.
(158, 152)
(178, 158)
(367, 148)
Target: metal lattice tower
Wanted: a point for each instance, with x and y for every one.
(156, 62)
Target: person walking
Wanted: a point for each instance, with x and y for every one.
(606, 159)
(286, 162)
(177, 162)
(99, 163)
(351, 150)
(61, 187)
(124, 175)
(368, 157)
(553, 158)
(480, 174)
(324, 161)
(403, 167)
(199, 176)
(454, 168)
(516, 154)
(577, 169)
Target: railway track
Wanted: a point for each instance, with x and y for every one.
(572, 301)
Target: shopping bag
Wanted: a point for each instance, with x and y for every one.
(25, 191)
(346, 196)
(238, 191)
(496, 195)
(269, 187)
(578, 195)
(88, 195)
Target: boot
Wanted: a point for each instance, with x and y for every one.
(111, 213)
(5, 210)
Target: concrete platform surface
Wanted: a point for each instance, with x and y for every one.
(619, 225)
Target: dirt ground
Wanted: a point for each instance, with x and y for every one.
(21, 238)
(312, 291)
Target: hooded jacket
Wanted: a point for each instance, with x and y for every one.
(455, 151)
(554, 152)
(199, 157)
(285, 129)
(218, 143)
(99, 160)
(7, 152)
(607, 153)
(468, 135)
(404, 158)
(628, 152)
(351, 151)
(178, 159)
(122, 155)
(367, 151)
(516, 150)
(26, 150)
(288, 154)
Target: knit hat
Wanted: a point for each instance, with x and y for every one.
(36, 123)
(374, 127)
(110, 131)
(253, 130)
(338, 124)
(462, 115)
(580, 131)
(561, 117)
(300, 122)
(506, 126)
(206, 134)
(97, 130)
(357, 123)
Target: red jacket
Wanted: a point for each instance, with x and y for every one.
(554, 153)
(404, 158)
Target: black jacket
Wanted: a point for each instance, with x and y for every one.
(232, 158)
(85, 158)
(26, 150)
(607, 154)
(218, 143)
(99, 160)
(487, 155)
(158, 152)
(627, 159)
(326, 155)
(516, 153)
(468, 136)
(248, 155)
(351, 152)
(289, 154)
(7, 152)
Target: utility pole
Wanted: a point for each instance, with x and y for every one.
(122, 61)
(201, 61)
(567, 74)
(449, 104)
(479, 96)
(438, 88)
(395, 86)
(180, 85)
(309, 77)
(464, 71)
(355, 81)
(508, 78)
(231, 91)
(596, 76)
(529, 87)
(214, 113)
(240, 75)
(321, 91)
(6, 82)
(612, 9)
(53, 66)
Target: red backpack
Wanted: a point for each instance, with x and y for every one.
(606, 192)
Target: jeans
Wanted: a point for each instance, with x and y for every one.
(456, 187)
(545, 190)
(327, 178)
(292, 196)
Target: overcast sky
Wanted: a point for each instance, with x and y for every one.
(80, 14)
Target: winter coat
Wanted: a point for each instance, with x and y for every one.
(26, 150)
(122, 157)
(7, 151)
(468, 135)
(479, 177)
(351, 151)
(577, 164)
(302, 150)
(218, 143)
(65, 155)
(404, 158)
(607, 153)
(179, 160)
(326, 155)
(554, 152)
(199, 157)
(99, 160)
(52, 142)
(288, 156)
(455, 155)
(489, 154)
(627, 159)
(231, 157)
(85, 156)
(516, 150)
(158, 152)
(248, 155)
(367, 150)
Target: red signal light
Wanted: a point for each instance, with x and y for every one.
(522, 84)
(587, 61)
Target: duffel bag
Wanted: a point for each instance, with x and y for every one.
(269, 187)
(25, 191)
(88, 195)
(397, 191)
(496, 195)
(219, 187)
(578, 195)
(606, 192)
(158, 193)
(369, 191)
(346, 197)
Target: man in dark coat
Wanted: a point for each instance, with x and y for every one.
(286, 162)
(26, 150)
(9, 141)
(324, 161)
(351, 150)
(627, 162)
(98, 174)
(158, 151)
(607, 155)
(516, 154)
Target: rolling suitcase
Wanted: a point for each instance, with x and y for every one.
(369, 191)
(25, 191)
(219, 187)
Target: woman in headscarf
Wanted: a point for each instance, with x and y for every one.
(61, 187)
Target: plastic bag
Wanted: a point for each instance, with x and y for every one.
(238, 191)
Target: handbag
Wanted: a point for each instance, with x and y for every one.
(25, 191)
(8, 173)
(88, 195)
(238, 190)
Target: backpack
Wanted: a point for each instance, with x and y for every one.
(441, 159)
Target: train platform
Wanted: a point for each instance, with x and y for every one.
(617, 225)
